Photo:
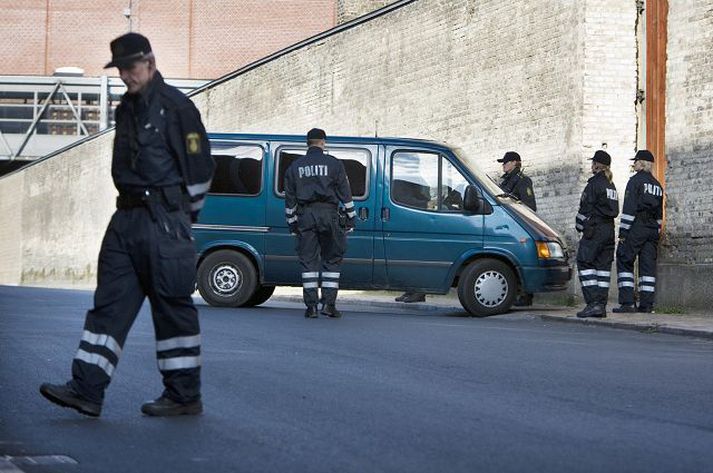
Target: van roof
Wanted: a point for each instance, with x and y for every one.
(362, 140)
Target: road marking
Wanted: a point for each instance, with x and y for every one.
(10, 464)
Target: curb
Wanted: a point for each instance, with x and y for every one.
(640, 327)
(425, 307)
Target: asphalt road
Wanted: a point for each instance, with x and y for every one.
(372, 392)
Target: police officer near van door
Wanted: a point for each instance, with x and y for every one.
(598, 208)
(515, 183)
(162, 168)
(639, 231)
(315, 185)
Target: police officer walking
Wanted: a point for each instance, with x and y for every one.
(315, 184)
(598, 207)
(639, 231)
(162, 168)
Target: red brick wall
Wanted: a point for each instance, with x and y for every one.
(201, 39)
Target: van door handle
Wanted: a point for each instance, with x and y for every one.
(385, 213)
(363, 213)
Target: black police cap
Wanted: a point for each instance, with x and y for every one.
(602, 157)
(316, 134)
(643, 155)
(127, 49)
(509, 156)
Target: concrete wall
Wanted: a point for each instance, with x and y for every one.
(349, 9)
(54, 214)
(687, 252)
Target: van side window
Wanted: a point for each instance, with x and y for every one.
(238, 170)
(453, 186)
(414, 179)
(426, 181)
(355, 160)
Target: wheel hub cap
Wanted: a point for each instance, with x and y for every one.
(491, 288)
(225, 279)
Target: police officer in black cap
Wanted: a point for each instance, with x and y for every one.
(514, 181)
(315, 185)
(598, 208)
(639, 231)
(163, 169)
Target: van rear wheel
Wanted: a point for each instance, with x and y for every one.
(226, 278)
(262, 294)
(487, 287)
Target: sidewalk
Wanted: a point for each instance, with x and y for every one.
(691, 323)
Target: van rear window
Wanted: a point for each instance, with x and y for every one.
(238, 170)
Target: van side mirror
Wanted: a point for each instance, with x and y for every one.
(473, 201)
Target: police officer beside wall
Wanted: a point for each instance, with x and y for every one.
(515, 182)
(162, 168)
(315, 185)
(639, 230)
(598, 207)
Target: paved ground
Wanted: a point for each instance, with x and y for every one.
(394, 389)
(694, 323)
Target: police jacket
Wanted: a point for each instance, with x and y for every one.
(517, 184)
(160, 141)
(643, 203)
(316, 177)
(599, 202)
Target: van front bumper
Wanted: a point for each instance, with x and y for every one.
(547, 278)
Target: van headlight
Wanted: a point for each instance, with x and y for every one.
(549, 250)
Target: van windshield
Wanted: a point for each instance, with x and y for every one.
(473, 167)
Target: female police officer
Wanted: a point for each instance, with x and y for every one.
(598, 207)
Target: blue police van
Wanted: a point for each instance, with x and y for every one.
(428, 219)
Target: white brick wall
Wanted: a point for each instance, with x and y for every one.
(689, 133)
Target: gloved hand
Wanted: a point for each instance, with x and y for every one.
(351, 225)
(294, 229)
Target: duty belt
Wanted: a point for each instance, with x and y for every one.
(170, 197)
(328, 205)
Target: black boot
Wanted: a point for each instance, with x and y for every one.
(595, 310)
(330, 311)
(645, 309)
(411, 297)
(586, 308)
(624, 309)
(525, 300)
(164, 407)
(64, 395)
(311, 312)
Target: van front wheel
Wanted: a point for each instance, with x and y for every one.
(226, 278)
(487, 287)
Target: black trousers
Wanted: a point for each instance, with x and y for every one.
(145, 253)
(321, 244)
(642, 242)
(594, 261)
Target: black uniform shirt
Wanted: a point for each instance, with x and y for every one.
(599, 201)
(643, 203)
(142, 156)
(316, 177)
(517, 184)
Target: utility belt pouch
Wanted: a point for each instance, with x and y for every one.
(173, 198)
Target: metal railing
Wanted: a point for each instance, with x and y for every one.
(37, 107)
